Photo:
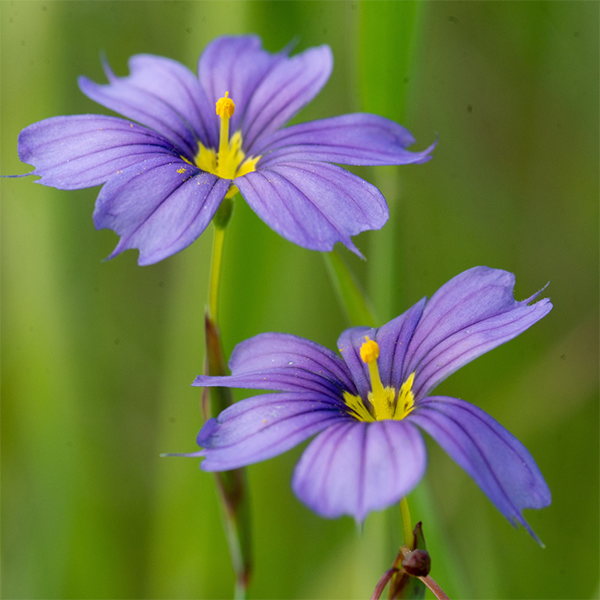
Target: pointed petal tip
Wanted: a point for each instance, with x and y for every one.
(350, 245)
(185, 454)
(106, 67)
(20, 175)
(498, 463)
(517, 520)
(199, 381)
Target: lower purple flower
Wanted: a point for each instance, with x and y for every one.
(369, 406)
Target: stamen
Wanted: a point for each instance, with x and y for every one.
(229, 161)
(225, 110)
(406, 398)
(381, 398)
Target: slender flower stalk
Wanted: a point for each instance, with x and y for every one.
(220, 222)
(231, 484)
(435, 589)
(383, 581)
(215, 272)
(406, 523)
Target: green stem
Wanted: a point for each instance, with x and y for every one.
(232, 486)
(409, 538)
(220, 222)
(215, 271)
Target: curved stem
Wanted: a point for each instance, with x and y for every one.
(376, 595)
(436, 590)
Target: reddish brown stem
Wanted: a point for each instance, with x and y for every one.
(382, 583)
(436, 590)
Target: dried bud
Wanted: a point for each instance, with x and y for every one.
(417, 563)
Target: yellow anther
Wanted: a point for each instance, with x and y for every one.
(357, 406)
(369, 351)
(383, 401)
(406, 398)
(225, 106)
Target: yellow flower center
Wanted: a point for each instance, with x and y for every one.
(385, 403)
(229, 161)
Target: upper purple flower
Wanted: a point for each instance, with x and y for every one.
(370, 404)
(165, 179)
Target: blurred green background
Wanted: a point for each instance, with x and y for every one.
(97, 357)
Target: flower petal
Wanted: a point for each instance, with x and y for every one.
(235, 64)
(500, 465)
(283, 362)
(314, 205)
(353, 468)
(289, 86)
(468, 316)
(85, 150)
(259, 428)
(355, 139)
(162, 94)
(268, 89)
(159, 206)
(394, 339)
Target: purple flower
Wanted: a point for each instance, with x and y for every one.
(369, 406)
(165, 179)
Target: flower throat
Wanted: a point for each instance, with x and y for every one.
(229, 161)
(383, 401)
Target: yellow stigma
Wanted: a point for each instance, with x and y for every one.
(225, 107)
(229, 161)
(369, 351)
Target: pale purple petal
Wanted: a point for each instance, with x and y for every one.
(285, 89)
(314, 205)
(259, 428)
(236, 65)
(162, 94)
(353, 468)
(86, 150)
(468, 316)
(355, 139)
(283, 362)
(393, 340)
(281, 380)
(500, 465)
(159, 206)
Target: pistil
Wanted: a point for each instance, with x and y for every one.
(369, 352)
(225, 110)
(381, 398)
